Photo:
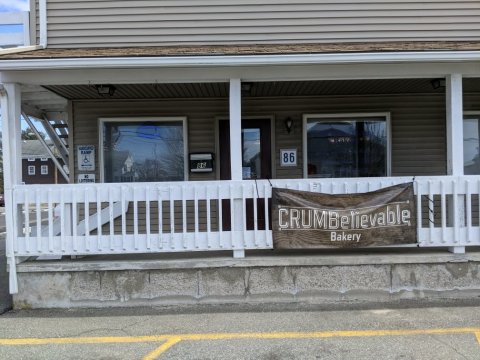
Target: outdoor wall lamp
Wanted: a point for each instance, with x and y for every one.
(437, 83)
(105, 90)
(288, 124)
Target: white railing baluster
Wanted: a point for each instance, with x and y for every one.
(443, 206)
(86, 210)
(172, 218)
(124, 189)
(50, 221)
(469, 210)
(419, 209)
(269, 240)
(196, 219)
(74, 221)
(255, 214)
(38, 207)
(63, 220)
(209, 219)
(160, 217)
(111, 219)
(220, 216)
(99, 218)
(456, 224)
(27, 222)
(184, 217)
(135, 218)
(232, 218)
(147, 218)
(244, 215)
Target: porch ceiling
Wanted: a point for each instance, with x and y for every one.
(259, 89)
(37, 101)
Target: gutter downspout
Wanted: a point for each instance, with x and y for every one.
(42, 18)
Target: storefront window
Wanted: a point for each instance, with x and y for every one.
(350, 146)
(142, 151)
(471, 145)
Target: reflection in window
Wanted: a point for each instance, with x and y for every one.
(251, 159)
(143, 151)
(471, 160)
(346, 147)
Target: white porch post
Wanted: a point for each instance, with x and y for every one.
(236, 129)
(454, 106)
(12, 167)
(236, 162)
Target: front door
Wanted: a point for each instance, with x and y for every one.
(256, 163)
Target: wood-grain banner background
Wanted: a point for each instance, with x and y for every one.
(303, 219)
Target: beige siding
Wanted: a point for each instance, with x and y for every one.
(87, 23)
(471, 102)
(418, 124)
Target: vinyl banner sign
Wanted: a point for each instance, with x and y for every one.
(303, 219)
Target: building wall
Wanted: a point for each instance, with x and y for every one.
(418, 125)
(86, 23)
(53, 176)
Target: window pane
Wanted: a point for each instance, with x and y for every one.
(346, 147)
(471, 161)
(251, 160)
(147, 151)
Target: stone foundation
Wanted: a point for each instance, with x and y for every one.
(246, 281)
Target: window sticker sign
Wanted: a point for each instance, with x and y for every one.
(86, 157)
(303, 219)
(86, 178)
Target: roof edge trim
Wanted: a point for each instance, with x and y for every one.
(238, 60)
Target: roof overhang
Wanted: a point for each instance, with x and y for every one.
(238, 60)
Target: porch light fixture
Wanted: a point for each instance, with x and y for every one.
(437, 83)
(105, 90)
(246, 88)
(288, 124)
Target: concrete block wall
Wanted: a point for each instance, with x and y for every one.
(249, 284)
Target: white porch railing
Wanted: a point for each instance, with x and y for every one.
(206, 216)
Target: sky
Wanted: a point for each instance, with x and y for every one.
(14, 5)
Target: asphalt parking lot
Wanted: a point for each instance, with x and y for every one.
(219, 333)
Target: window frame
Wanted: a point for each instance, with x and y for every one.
(31, 173)
(353, 116)
(102, 121)
(42, 167)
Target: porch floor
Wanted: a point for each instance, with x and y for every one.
(264, 258)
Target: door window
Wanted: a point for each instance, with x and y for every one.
(471, 145)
